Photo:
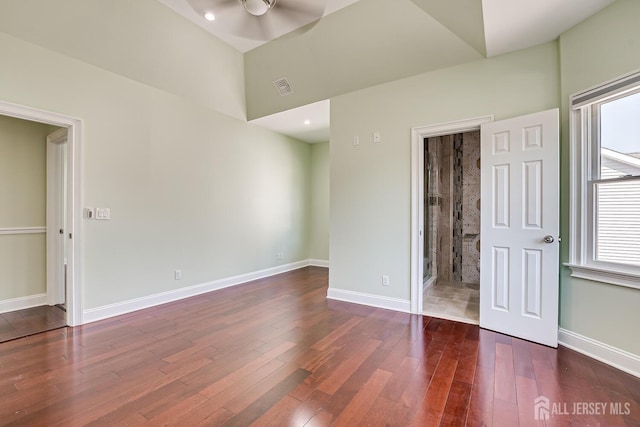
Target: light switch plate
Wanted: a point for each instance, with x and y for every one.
(103, 213)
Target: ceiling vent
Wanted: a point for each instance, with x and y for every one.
(283, 86)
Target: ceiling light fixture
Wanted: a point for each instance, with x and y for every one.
(258, 7)
(209, 16)
(307, 122)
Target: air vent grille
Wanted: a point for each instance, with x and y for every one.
(283, 86)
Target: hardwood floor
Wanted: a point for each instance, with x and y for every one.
(22, 323)
(276, 352)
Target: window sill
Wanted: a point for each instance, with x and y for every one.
(605, 275)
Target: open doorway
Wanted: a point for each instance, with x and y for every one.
(32, 177)
(40, 222)
(434, 265)
(451, 262)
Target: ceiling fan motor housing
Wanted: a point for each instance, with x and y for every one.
(258, 7)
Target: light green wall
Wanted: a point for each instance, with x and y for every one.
(319, 244)
(601, 48)
(189, 188)
(23, 204)
(142, 40)
(350, 50)
(370, 183)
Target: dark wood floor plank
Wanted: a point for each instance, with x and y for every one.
(527, 392)
(260, 406)
(401, 377)
(522, 361)
(457, 406)
(480, 412)
(364, 399)
(433, 404)
(332, 382)
(416, 389)
(263, 387)
(280, 414)
(30, 321)
(247, 369)
(276, 352)
(505, 413)
(505, 385)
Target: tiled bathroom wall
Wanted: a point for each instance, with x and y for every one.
(457, 195)
(453, 203)
(471, 207)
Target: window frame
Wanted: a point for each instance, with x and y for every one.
(585, 175)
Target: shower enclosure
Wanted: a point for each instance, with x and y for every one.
(452, 209)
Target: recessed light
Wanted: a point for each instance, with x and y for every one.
(209, 16)
(307, 122)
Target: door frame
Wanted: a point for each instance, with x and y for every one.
(418, 134)
(55, 216)
(74, 232)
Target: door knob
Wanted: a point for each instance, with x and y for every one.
(548, 239)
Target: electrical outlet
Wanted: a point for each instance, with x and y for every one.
(279, 255)
(356, 140)
(90, 213)
(177, 274)
(385, 280)
(376, 137)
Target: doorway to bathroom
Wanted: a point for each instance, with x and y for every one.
(432, 220)
(518, 222)
(451, 244)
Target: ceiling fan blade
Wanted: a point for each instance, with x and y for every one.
(215, 6)
(283, 17)
(254, 27)
(294, 8)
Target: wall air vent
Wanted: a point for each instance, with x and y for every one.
(283, 86)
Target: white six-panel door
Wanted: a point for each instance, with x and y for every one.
(520, 227)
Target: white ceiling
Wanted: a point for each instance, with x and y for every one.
(509, 25)
(292, 122)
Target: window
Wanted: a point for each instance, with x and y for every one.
(605, 183)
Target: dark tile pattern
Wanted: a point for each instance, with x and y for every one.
(457, 195)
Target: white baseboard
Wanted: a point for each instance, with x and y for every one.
(620, 359)
(319, 263)
(22, 303)
(124, 307)
(389, 303)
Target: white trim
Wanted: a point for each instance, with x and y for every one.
(22, 230)
(22, 303)
(124, 307)
(418, 134)
(319, 263)
(605, 275)
(620, 359)
(55, 216)
(75, 252)
(609, 89)
(58, 137)
(395, 304)
(583, 129)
